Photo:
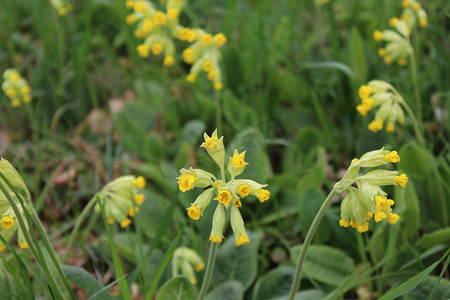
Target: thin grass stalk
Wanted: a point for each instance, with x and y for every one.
(309, 236)
(208, 272)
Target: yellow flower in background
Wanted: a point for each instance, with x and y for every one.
(62, 6)
(187, 260)
(413, 14)
(229, 195)
(121, 199)
(383, 97)
(367, 200)
(16, 88)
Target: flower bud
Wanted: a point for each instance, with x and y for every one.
(218, 224)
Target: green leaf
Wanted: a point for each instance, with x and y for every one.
(178, 288)
(84, 280)
(438, 237)
(358, 59)
(423, 289)
(414, 161)
(193, 131)
(325, 264)
(412, 283)
(407, 206)
(237, 263)
(308, 139)
(305, 295)
(231, 290)
(310, 202)
(330, 65)
(274, 284)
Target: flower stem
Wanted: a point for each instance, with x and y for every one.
(415, 80)
(208, 272)
(417, 127)
(309, 236)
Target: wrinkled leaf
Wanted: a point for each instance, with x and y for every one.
(177, 288)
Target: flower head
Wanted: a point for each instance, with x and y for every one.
(121, 199)
(383, 97)
(229, 195)
(16, 88)
(368, 200)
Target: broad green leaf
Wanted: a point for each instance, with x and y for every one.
(358, 59)
(440, 236)
(193, 132)
(412, 283)
(86, 281)
(414, 161)
(274, 284)
(238, 114)
(178, 288)
(310, 202)
(325, 263)
(424, 288)
(237, 263)
(231, 290)
(330, 65)
(407, 206)
(308, 139)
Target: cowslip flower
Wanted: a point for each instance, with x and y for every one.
(204, 55)
(8, 218)
(62, 6)
(398, 46)
(16, 88)
(229, 195)
(122, 199)
(158, 28)
(388, 102)
(187, 260)
(368, 200)
(414, 14)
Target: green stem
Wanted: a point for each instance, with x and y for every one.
(417, 127)
(362, 253)
(51, 252)
(416, 85)
(218, 112)
(307, 243)
(75, 229)
(208, 272)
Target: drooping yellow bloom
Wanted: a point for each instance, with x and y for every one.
(16, 88)
(224, 197)
(186, 260)
(186, 182)
(244, 190)
(139, 182)
(263, 195)
(7, 222)
(194, 212)
(367, 200)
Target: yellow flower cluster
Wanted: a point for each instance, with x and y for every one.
(16, 88)
(398, 46)
(204, 54)
(414, 14)
(156, 27)
(228, 194)
(186, 260)
(368, 200)
(8, 223)
(62, 6)
(383, 96)
(121, 199)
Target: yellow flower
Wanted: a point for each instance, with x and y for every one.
(212, 75)
(23, 245)
(376, 125)
(242, 240)
(379, 215)
(402, 62)
(382, 52)
(388, 60)
(224, 197)
(10, 92)
(111, 220)
(159, 18)
(140, 6)
(423, 22)
(218, 85)
(125, 223)
(416, 6)
(393, 21)
(216, 239)
(207, 66)
(238, 159)
(406, 3)
(402, 180)
(362, 227)
(378, 35)
(186, 182)
(169, 61)
(143, 50)
(393, 218)
(183, 34)
(220, 39)
(194, 212)
(263, 195)
(210, 142)
(139, 182)
(344, 222)
(157, 48)
(191, 78)
(139, 199)
(392, 157)
(129, 4)
(148, 25)
(390, 127)
(365, 91)
(131, 19)
(199, 266)
(7, 222)
(244, 190)
(172, 13)
(207, 39)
